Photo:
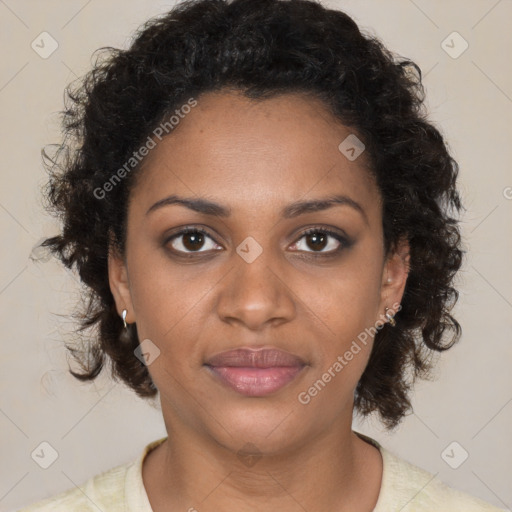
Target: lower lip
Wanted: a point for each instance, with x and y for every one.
(256, 381)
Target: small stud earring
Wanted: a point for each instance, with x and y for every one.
(124, 317)
(391, 320)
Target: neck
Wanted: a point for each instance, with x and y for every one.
(333, 472)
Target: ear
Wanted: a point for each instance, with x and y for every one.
(394, 277)
(120, 284)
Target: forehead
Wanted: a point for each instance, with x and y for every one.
(252, 154)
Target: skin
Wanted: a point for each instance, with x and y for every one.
(257, 157)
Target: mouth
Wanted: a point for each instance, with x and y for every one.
(255, 372)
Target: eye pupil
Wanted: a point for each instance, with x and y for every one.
(318, 240)
(193, 241)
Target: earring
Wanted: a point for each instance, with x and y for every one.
(125, 334)
(391, 320)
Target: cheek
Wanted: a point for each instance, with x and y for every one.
(347, 306)
(344, 340)
(347, 301)
(173, 306)
(160, 297)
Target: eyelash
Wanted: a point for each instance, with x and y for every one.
(345, 243)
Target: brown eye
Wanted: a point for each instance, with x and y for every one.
(317, 240)
(192, 240)
(321, 241)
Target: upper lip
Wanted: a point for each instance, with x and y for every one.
(261, 358)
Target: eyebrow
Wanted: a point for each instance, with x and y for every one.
(291, 211)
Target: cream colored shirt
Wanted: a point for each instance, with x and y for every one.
(404, 488)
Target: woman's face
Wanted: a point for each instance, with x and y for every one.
(254, 279)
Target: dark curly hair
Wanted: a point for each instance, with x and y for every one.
(262, 48)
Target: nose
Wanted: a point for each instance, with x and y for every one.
(256, 294)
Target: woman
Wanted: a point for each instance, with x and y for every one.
(252, 193)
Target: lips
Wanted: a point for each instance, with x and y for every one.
(255, 372)
(251, 358)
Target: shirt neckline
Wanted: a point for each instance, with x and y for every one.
(139, 500)
(134, 485)
(385, 484)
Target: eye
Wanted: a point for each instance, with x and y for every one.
(322, 241)
(192, 240)
(315, 241)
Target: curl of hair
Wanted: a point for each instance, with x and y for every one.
(262, 48)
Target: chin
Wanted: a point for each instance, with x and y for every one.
(271, 429)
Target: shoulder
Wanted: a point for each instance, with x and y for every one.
(120, 489)
(412, 489)
(409, 488)
(104, 491)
